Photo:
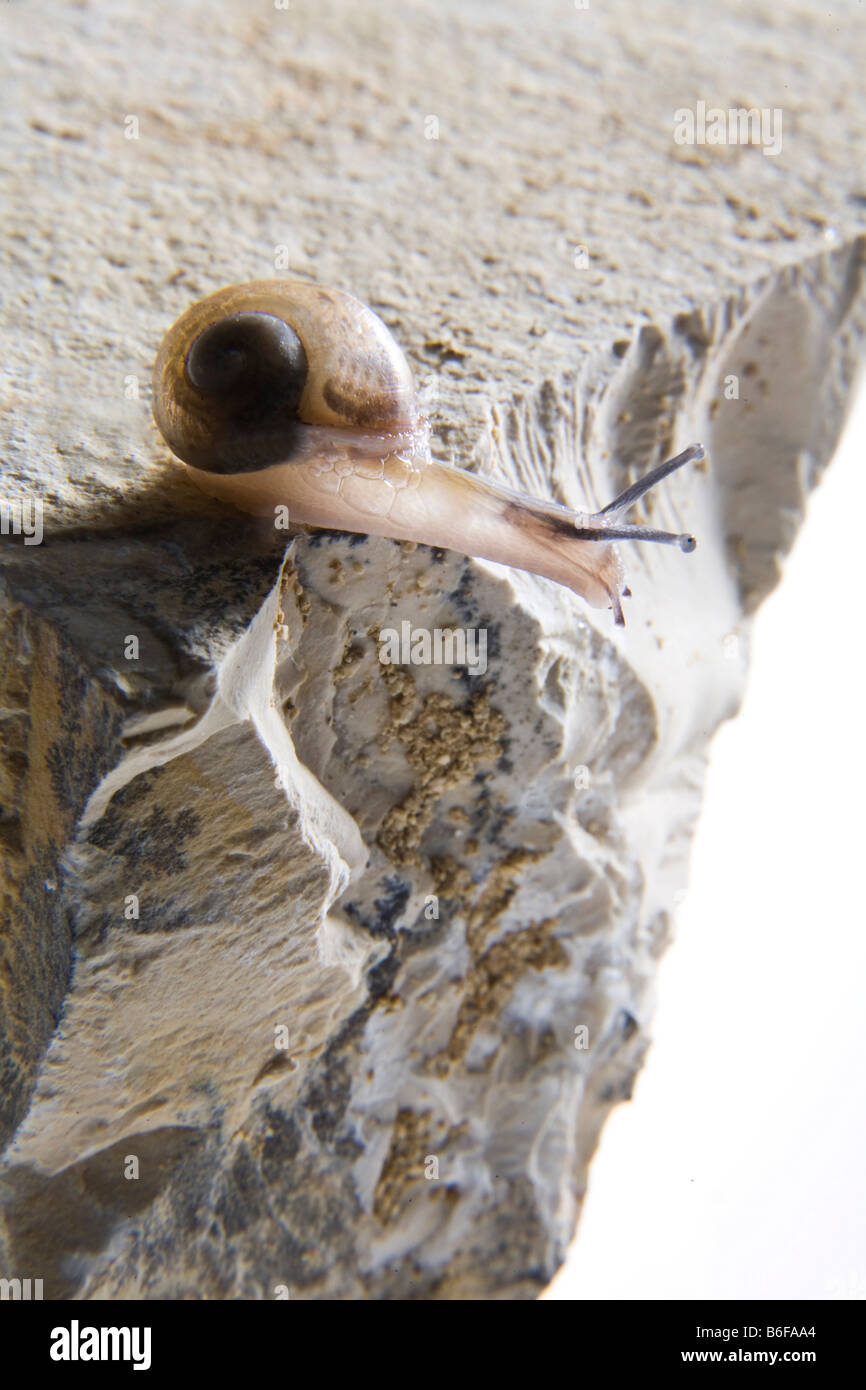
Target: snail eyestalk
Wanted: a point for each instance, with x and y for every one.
(693, 454)
(602, 530)
(685, 542)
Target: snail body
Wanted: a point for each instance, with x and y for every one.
(283, 394)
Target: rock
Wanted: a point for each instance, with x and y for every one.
(321, 974)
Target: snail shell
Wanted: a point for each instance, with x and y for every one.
(283, 394)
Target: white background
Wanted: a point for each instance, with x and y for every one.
(737, 1169)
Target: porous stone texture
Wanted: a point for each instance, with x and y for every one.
(298, 946)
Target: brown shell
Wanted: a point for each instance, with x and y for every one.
(357, 376)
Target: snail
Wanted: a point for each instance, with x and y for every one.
(284, 394)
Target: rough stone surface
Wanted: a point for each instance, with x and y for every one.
(283, 806)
